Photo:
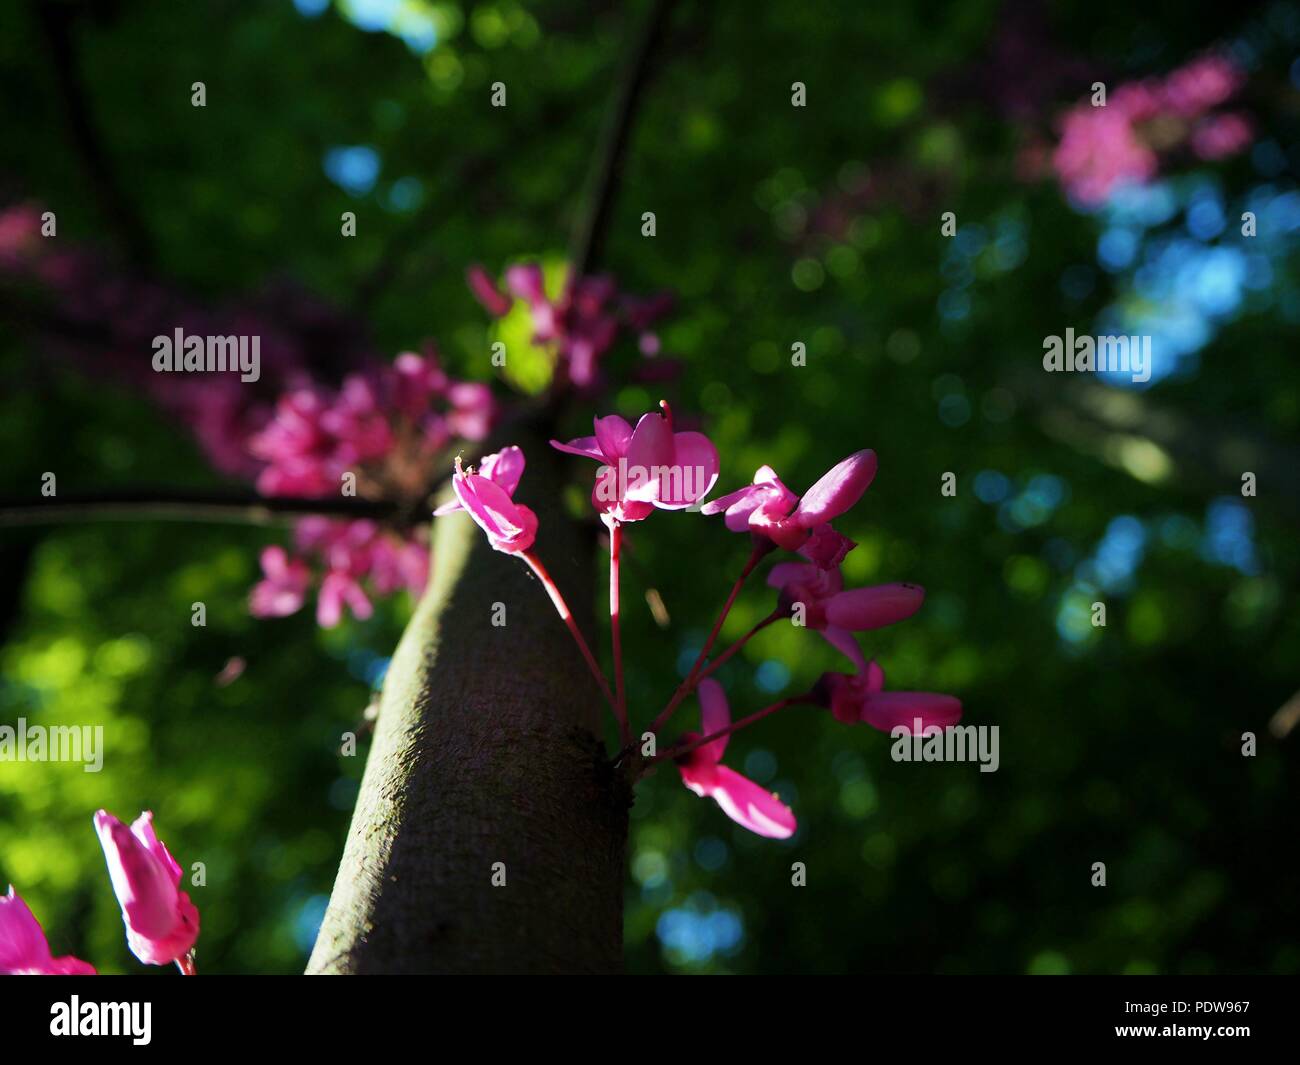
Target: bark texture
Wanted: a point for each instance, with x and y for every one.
(486, 751)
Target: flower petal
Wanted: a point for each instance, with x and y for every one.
(860, 609)
(504, 467)
(752, 806)
(586, 446)
(845, 641)
(838, 489)
(613, 434)
(890, 710)
(695, 465)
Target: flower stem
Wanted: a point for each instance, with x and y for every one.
(718, 662)
(685, 748)
(615, 551)
(693, 677)
(566, 615)
(186, 965)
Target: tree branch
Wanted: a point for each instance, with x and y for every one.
(55, 21)
(607, 163)
(171, 504)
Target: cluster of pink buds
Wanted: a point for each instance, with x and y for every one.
(381, 427)
(383, 431)
(161, 922)
(653, 467)
(1126, 138)
(582, 325)
(345, 554)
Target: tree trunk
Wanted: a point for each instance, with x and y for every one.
(486, 752)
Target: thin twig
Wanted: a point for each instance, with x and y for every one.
(607, 163)
(685, 747)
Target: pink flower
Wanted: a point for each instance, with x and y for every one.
(1201, 84)
(416, 381)
(581, 326)
(1100, 151)
(1220, 136)
(296, 447)
(340, 589)
(1125, 140)
(473, 410)
(646, 467)
(861, 697)
(835, 613)
(494, 301)
(768, 508)
(826, 548)
(398, 564)
(486, 496)
(283, 588)
(748, 804)
(23, 949)
(161, 921)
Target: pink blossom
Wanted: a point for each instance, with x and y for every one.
(340, 589)
(161, 921)
(396, 564)
(646, 467)
(861, 697)
(379, 426)
(768, 508)
(494, 301)
(1099, 151)
(416, 381)
(359, 426)
(283, 588)
(825, 547)
(472, 412)
(1201, 84)
(1125, 140)
(345, 552)
(748, 804)
(1220, 136)
(836, 613)
(486, 496)
(23, 948)
(582, 326)
(299, 452)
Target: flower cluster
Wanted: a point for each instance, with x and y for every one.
(1142, 122)
(382, 430)
(345, 553)
(652, 467)
(383, 427)
(161, 922)
(582, 326)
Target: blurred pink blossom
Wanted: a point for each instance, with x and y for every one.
(582, 326)
(1126, 140)
(161, 921)
(23, 947)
